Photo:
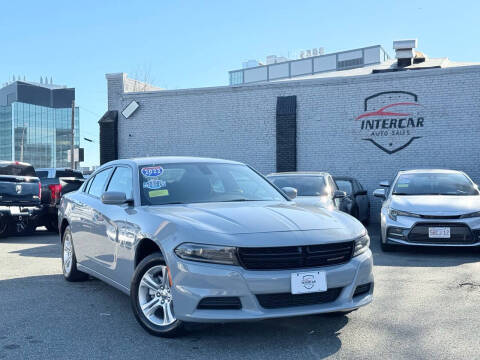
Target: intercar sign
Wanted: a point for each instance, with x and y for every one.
(391, 120)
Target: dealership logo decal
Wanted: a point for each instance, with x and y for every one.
(308, 281)
(391, 120)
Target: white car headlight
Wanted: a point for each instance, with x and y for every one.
(471, 215)
(361, 244)
(207, 253)
(392, 214)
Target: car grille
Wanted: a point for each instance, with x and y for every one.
(459, 234)
(283, 300)
(294, 257)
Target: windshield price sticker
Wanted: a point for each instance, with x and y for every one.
(152, 171)
(154, 184)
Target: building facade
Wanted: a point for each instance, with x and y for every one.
(367, 123)
(35, 124)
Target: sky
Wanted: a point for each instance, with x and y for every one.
(187, 44)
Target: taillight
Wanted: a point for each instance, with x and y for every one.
(40, 190)
(55, 190)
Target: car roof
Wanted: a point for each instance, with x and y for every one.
(441, 171)
(170, 160)
(302, 173)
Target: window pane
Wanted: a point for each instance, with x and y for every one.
(122, 181)
(98, 183)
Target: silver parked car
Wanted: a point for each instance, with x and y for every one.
(206, 240)
(430, 208)
(313, 188)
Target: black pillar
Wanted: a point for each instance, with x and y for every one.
(286, 133)
(108, 137)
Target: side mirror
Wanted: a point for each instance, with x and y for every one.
(114, 198)
(385, 183)
(380, 193)
(290, 192)
(338, 194)
(361, 192)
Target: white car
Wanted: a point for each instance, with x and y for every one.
(430, 208)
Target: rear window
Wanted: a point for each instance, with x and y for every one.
(17, 170)
(42, 174)
(69, 173)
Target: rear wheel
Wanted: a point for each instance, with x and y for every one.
(152, 300)
(3, 228)
(52, 226)
(69, 260)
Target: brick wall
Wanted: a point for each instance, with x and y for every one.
(238, 123)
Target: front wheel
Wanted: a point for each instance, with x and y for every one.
(151, 297)
(387, 247)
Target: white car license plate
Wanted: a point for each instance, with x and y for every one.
(439, 233)
(308, 282)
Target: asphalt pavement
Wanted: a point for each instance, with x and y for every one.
(426, 306)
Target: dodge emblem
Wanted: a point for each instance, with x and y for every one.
(18, 188)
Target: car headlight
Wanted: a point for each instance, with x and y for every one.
(361, 244)
(392, 214)
(471, 215)
(207, 253)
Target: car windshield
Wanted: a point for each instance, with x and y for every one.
(184, 183)
(344, 185)
(434, 184)
(306, 185)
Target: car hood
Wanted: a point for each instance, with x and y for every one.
(436, 204)
(255, 217)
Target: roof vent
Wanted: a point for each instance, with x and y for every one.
(404, 51)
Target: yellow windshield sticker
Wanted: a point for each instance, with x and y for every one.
(156, 193)
(402, 185)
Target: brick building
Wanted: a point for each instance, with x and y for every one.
(367, 121)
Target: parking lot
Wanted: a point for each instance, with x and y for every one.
(427, 305)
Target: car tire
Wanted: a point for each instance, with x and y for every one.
(69, 260)
(387, 247)
(151, 298)
(3, 229)
(52, 226)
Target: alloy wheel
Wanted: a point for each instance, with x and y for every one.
(155, 296)
(67, 253)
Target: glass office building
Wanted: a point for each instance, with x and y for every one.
(35, 124)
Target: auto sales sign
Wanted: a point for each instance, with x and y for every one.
(391, 120)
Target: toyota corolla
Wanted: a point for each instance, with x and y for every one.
(430, 208)
(206, 240)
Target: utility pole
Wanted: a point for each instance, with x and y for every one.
(72, 144)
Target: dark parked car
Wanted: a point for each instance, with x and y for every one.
(20, 192)
(359, 204)
(55, 184)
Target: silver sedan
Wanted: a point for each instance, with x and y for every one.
(431, 207)
(206, 240)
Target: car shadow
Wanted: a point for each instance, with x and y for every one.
(103, 320)
(419, 256)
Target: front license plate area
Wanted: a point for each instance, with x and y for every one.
(308, 282)
(439, 232)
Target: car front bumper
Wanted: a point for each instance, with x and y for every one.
(194, 281)
(406, 224)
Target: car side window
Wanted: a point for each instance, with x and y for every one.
(98, 183)
(122, 181)
(87, 184)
